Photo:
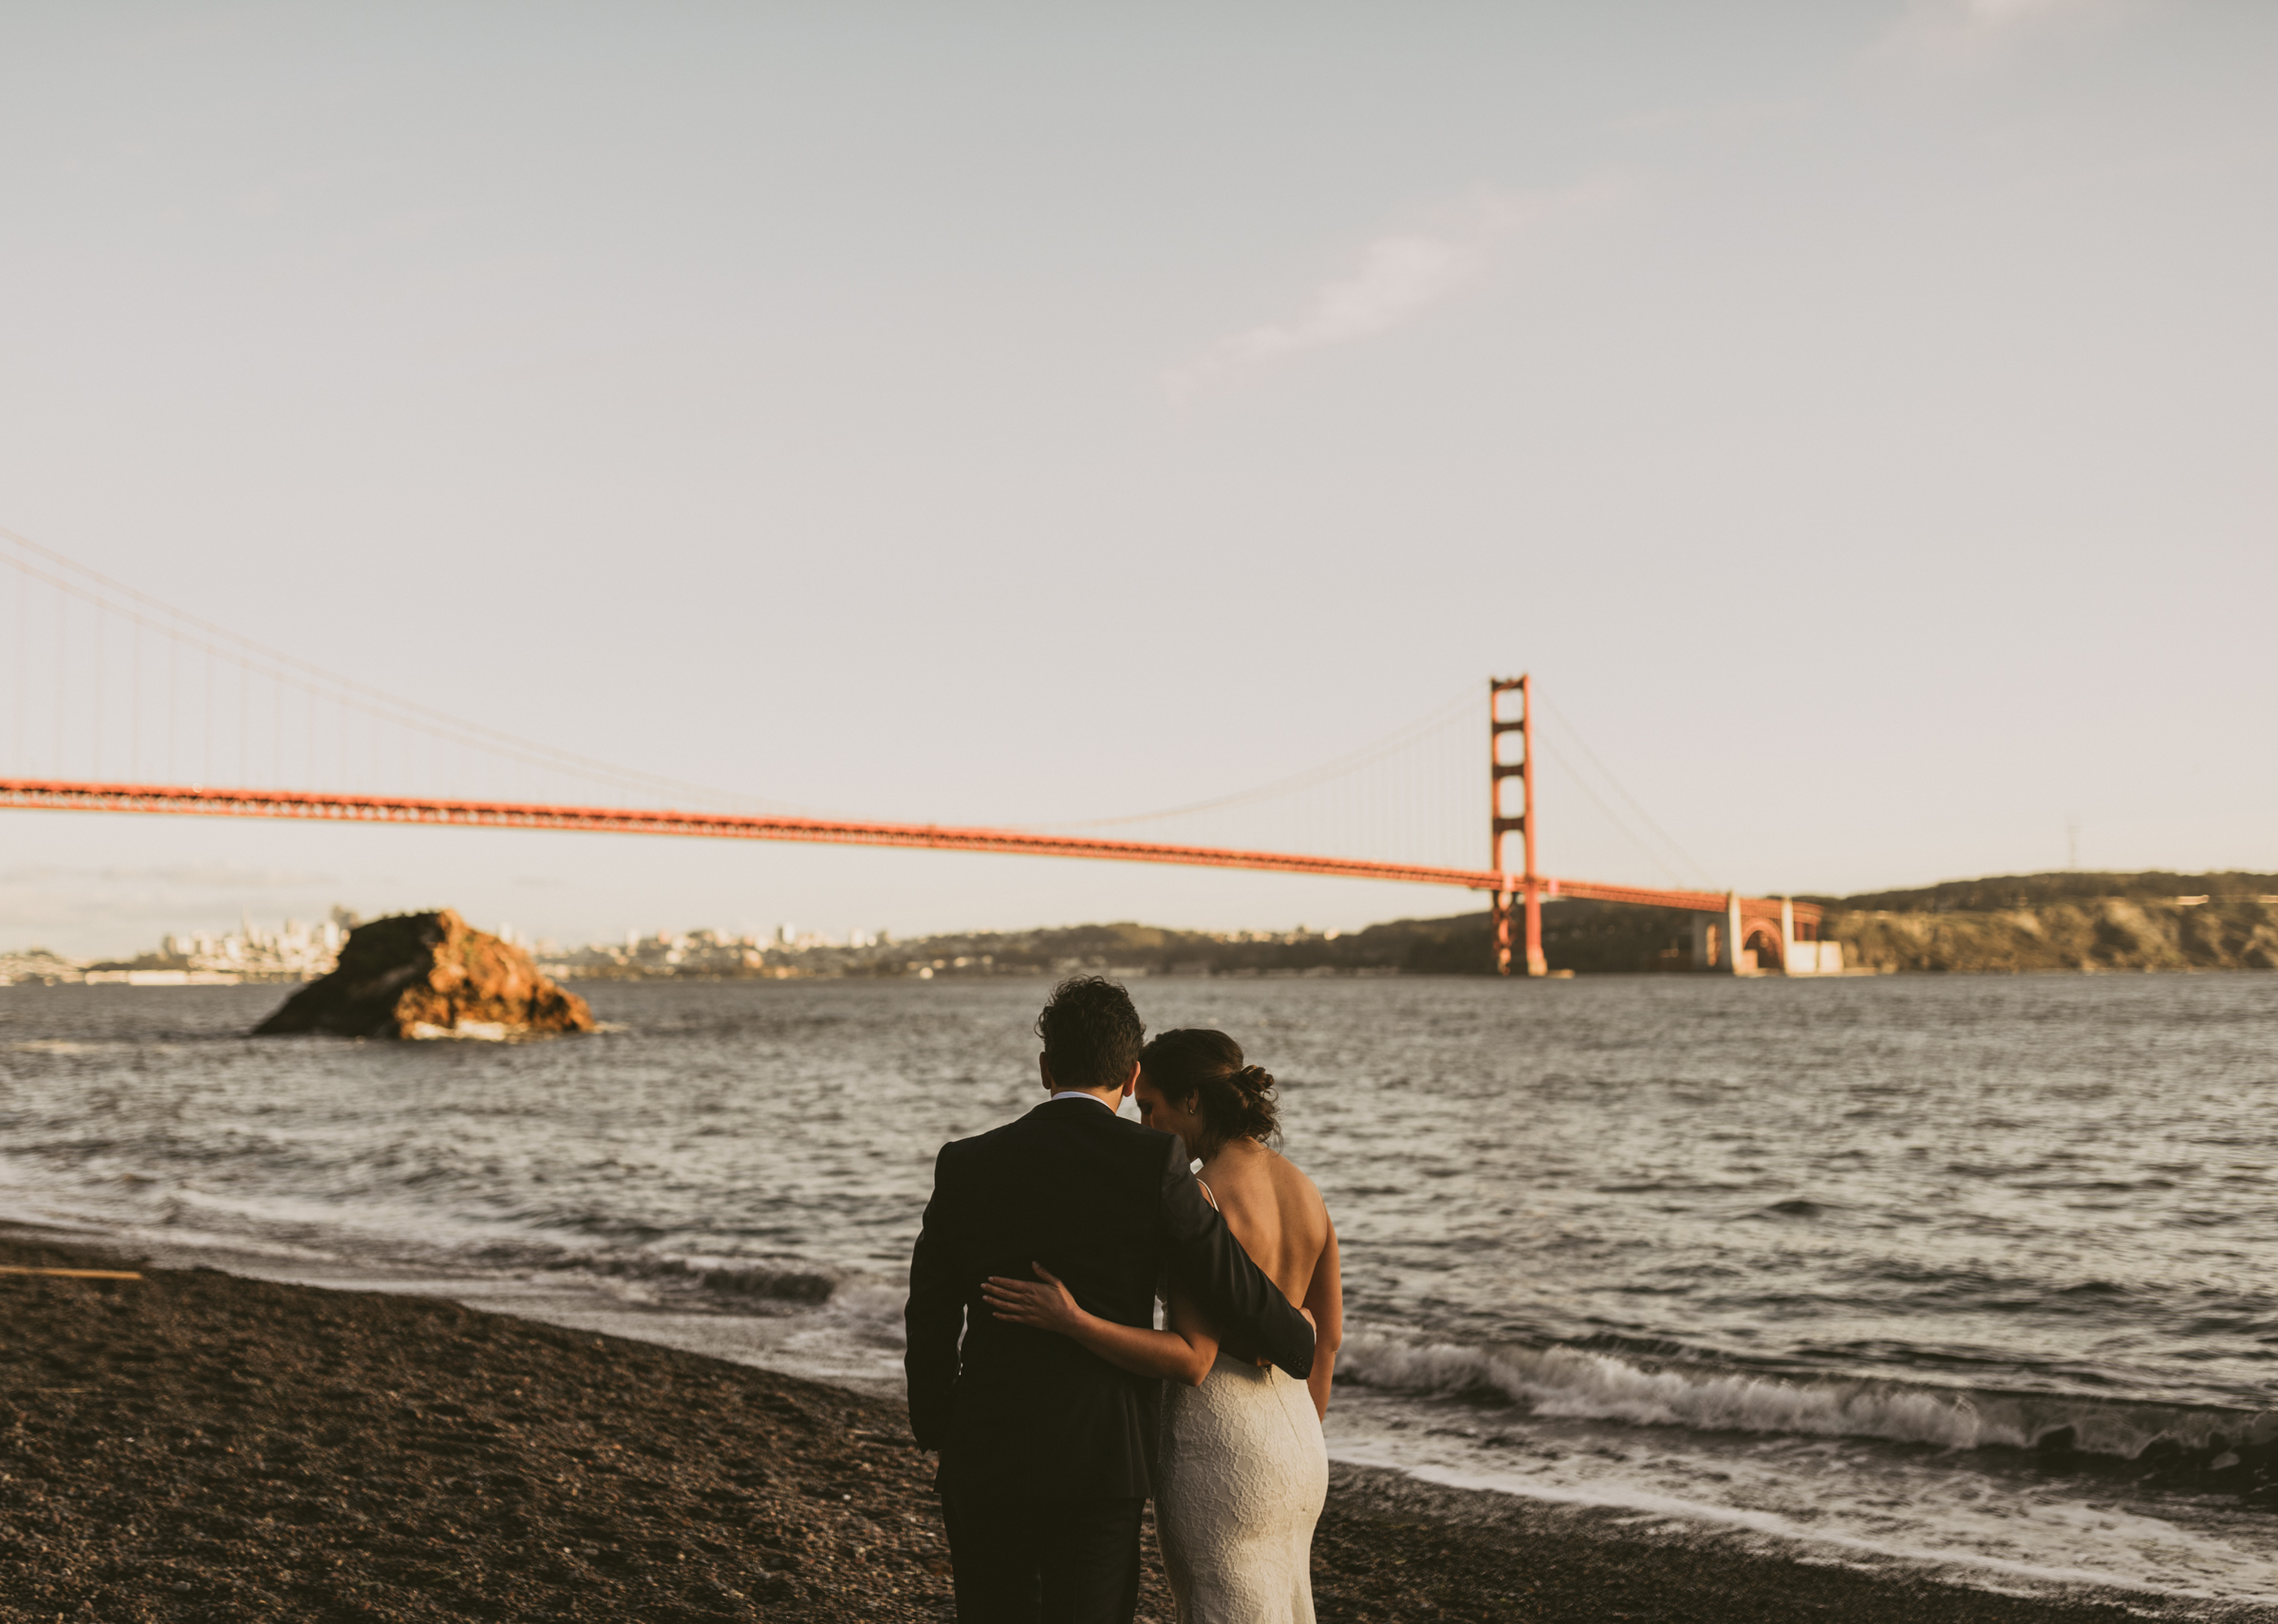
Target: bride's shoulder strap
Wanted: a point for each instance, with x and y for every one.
(1207, 1195)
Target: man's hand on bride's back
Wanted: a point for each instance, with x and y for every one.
(1043, 1302)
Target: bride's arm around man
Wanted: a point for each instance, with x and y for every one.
(1194, 1083)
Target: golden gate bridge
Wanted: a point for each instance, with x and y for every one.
(92, 659)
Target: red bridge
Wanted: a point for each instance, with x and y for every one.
(1735, 934)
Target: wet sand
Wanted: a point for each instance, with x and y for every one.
(194, 1446)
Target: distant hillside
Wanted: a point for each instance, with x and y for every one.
(1581, 935)
(2067, 921)
(2027, 922)
(2014, 923)
(2114, 933)
(2099, 928)
(2003, 891)
(1588, 937)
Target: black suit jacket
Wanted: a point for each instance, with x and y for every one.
(1108, 1207)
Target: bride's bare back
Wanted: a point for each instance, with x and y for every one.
(1193, 1082)
(1281, 1222)
(1274, 1211)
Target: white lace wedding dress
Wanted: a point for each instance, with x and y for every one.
(1243, 1472)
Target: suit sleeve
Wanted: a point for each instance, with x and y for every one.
(1209, 1263)
(934, 1320)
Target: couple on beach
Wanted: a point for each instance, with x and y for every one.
(1063, 1411)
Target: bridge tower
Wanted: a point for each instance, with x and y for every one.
(1529, 889)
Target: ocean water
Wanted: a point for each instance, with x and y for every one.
(1972, 1274)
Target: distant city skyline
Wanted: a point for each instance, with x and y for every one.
(1856, 416)
(300, 950)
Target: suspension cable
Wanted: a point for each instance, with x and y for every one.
(1367, 755)
(1575, 733)
(351, 693)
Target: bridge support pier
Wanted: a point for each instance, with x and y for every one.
(1518, 916)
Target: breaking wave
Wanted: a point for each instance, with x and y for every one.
(1580, 1384)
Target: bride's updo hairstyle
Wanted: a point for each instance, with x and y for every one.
(1202, 1071)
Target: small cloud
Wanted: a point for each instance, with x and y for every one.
(1963, 26)
(1998, 14)
(1398, 279)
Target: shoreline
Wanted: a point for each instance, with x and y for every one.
(198, 1446)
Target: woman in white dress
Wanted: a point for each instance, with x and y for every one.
(1243, 1471)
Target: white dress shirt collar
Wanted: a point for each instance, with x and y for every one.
(1078, 1093)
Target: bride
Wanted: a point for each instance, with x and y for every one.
(1243, 1471)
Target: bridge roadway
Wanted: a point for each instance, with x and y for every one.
(319, 807)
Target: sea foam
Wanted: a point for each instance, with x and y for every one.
(1586, 1384)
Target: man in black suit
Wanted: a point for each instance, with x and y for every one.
(1046, 1447)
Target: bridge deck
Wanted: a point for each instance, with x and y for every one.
(314, 806)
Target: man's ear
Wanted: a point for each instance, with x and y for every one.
(1130, 1083)
(1044, 1070)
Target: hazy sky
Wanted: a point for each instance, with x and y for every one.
(1859, 416)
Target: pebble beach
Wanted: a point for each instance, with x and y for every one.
(192, 1445)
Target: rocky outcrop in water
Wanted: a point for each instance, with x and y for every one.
(429, 975)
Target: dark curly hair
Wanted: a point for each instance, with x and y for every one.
(1091, 1033)
(1235, 1101)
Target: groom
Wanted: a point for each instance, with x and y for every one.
(1045, 1447)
